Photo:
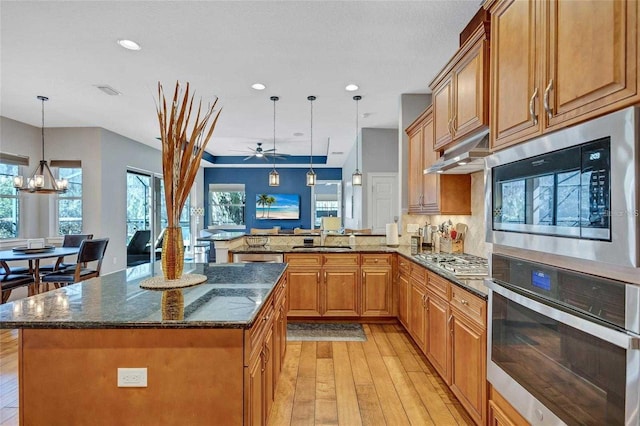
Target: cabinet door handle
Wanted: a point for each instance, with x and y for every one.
(318, 277)
(546, 99)
(426, 303)
(453, 124)
(449, 126)
(325, 276)
(450, 324)
(532, 112)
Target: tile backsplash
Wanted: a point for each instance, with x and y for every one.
(474, 243)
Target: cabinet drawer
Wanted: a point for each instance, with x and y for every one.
(438, 285)
(280, 291)
(341, 259)
(419, 273)
(377, 259)
(258, 331)
(404, 265)
(470, 305)
(303, 259)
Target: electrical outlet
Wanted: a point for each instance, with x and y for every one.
(412, 227)
(132, 377)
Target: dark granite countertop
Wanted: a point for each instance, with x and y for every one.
(231, 298)
(315, 249)
(222, 236)
(475, 284)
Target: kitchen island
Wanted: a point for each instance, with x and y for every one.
(210, 354)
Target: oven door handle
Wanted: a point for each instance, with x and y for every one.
(615, 337)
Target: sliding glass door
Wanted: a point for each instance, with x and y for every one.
(147, 217)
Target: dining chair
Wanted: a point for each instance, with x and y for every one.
(23, 270)
(9, 282)
(90, 251)
(70, 240)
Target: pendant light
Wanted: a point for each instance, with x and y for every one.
(356, 177)
(311, 175)
(274, 176)
(41, 180)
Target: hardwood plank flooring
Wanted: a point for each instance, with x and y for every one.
(383, 381)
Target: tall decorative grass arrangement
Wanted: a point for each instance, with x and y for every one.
(184, 138)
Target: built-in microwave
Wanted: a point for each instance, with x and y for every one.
(571, 193)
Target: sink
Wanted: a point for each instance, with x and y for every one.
(322, 248)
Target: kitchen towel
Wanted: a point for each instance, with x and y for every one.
(392, 234)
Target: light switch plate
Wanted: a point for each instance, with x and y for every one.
(412, 227)
(132, 377)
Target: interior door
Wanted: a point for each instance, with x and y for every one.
(383, 202)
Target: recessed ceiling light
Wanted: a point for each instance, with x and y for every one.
(129, 44)
(298, 134)
(258, 86)
(108, 90)
(351, 87)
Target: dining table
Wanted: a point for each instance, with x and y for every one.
(33, 257)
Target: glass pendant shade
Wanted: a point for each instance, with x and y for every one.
(356, 178)
(311, 178)
(274, 178)
(311, 175)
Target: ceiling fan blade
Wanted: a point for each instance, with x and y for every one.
(247, 158)
(268, 150)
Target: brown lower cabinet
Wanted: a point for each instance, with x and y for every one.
(346, 285)
(501, 413)
(448, 323)
(265, 347)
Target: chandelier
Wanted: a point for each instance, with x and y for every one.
(41, 180)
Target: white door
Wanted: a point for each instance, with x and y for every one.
(383, 200)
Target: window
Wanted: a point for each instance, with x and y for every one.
(70, 203)
(227, 206)
(9, 205)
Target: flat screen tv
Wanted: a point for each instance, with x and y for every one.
(277, 206)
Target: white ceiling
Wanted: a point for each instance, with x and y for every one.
(64, 49)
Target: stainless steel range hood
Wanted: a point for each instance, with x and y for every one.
(465, 157)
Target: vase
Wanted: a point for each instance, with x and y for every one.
(172, 305)
(172, 253)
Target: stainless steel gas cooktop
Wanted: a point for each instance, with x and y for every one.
(458, 264)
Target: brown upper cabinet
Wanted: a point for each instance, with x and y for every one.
(556, 63)
(461, 92)
(433, 193)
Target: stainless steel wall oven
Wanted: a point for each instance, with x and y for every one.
(564, 347)
(571, 193)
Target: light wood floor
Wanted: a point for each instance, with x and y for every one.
(384, 380)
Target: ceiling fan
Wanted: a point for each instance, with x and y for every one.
(260, 152)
